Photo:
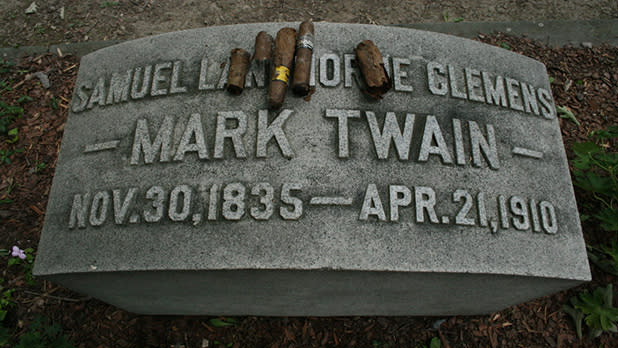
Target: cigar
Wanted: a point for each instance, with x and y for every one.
(302, 62)
(372, 68)
(283, 57)
(263, 47)
(239, 66)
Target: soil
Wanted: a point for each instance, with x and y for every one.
(58, 21)
(584, 79)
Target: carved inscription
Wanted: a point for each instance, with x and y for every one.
(330, 69)
(264, 201)
(409, 137)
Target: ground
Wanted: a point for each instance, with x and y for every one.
(58, 21)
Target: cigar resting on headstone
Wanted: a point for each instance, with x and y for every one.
(283, 58)
(369, 59)
(263, 47)
(302, 61)
(239, 65)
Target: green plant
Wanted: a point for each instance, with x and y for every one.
(43, 334)
(595, 309)
(39, 166)
(39, 29)
(5, 300)
(106, 4)
(505, 46)
(54, 103)
(566, 113)
(27, 263)
(596, 171)
(13, 134)
(5, 155)
(8, 114)
(605, 256)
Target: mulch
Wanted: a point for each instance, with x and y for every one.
(584, 79)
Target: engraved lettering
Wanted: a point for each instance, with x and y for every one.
(529, 98)
(372, 204)
(460, 218)
(342, 128)
(173, 212)
(391, 133)
(400, 196)
(425, 199)
(202, 81)
(433, 133)
(193, 130)
(455, 92)
(460, 157)
(79, 209)
(121, 206)
(157, 195)
(80, 100)
(473, 84)
(436, 78)
(233, 201)
(330, 70)
(548, 217)
(98, 210)
(234, 134)
(257, 74)
(521, 221)
(486, 146)
(547, 105)
(119, 87)
(159, 78)
(161, 144)
(98, 94)
(266, 132)
(175, 84)
(494, 93)
(296, 204)
(266, 193)
(399, 73)
(349, 70)
(512, 89)
(141, 85)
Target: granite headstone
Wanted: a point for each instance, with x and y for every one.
(451, 195)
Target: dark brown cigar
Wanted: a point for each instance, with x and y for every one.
(302, 62)
(282, 61)
(238, 70)
(263, 47)
(372, 68)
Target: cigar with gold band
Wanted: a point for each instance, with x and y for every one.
(283, 58)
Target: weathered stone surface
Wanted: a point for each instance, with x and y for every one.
(178, 198)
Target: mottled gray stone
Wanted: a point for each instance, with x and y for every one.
(450, 196)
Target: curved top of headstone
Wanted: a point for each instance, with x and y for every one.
(459, 169)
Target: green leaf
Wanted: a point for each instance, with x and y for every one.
(608, 218)
(565, 112)
(458, 19)
(577, 317)
(610, 133)
(435, 343)
(222, 322)
(598, 308)
(13, 136)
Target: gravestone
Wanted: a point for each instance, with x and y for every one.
(451, 195)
